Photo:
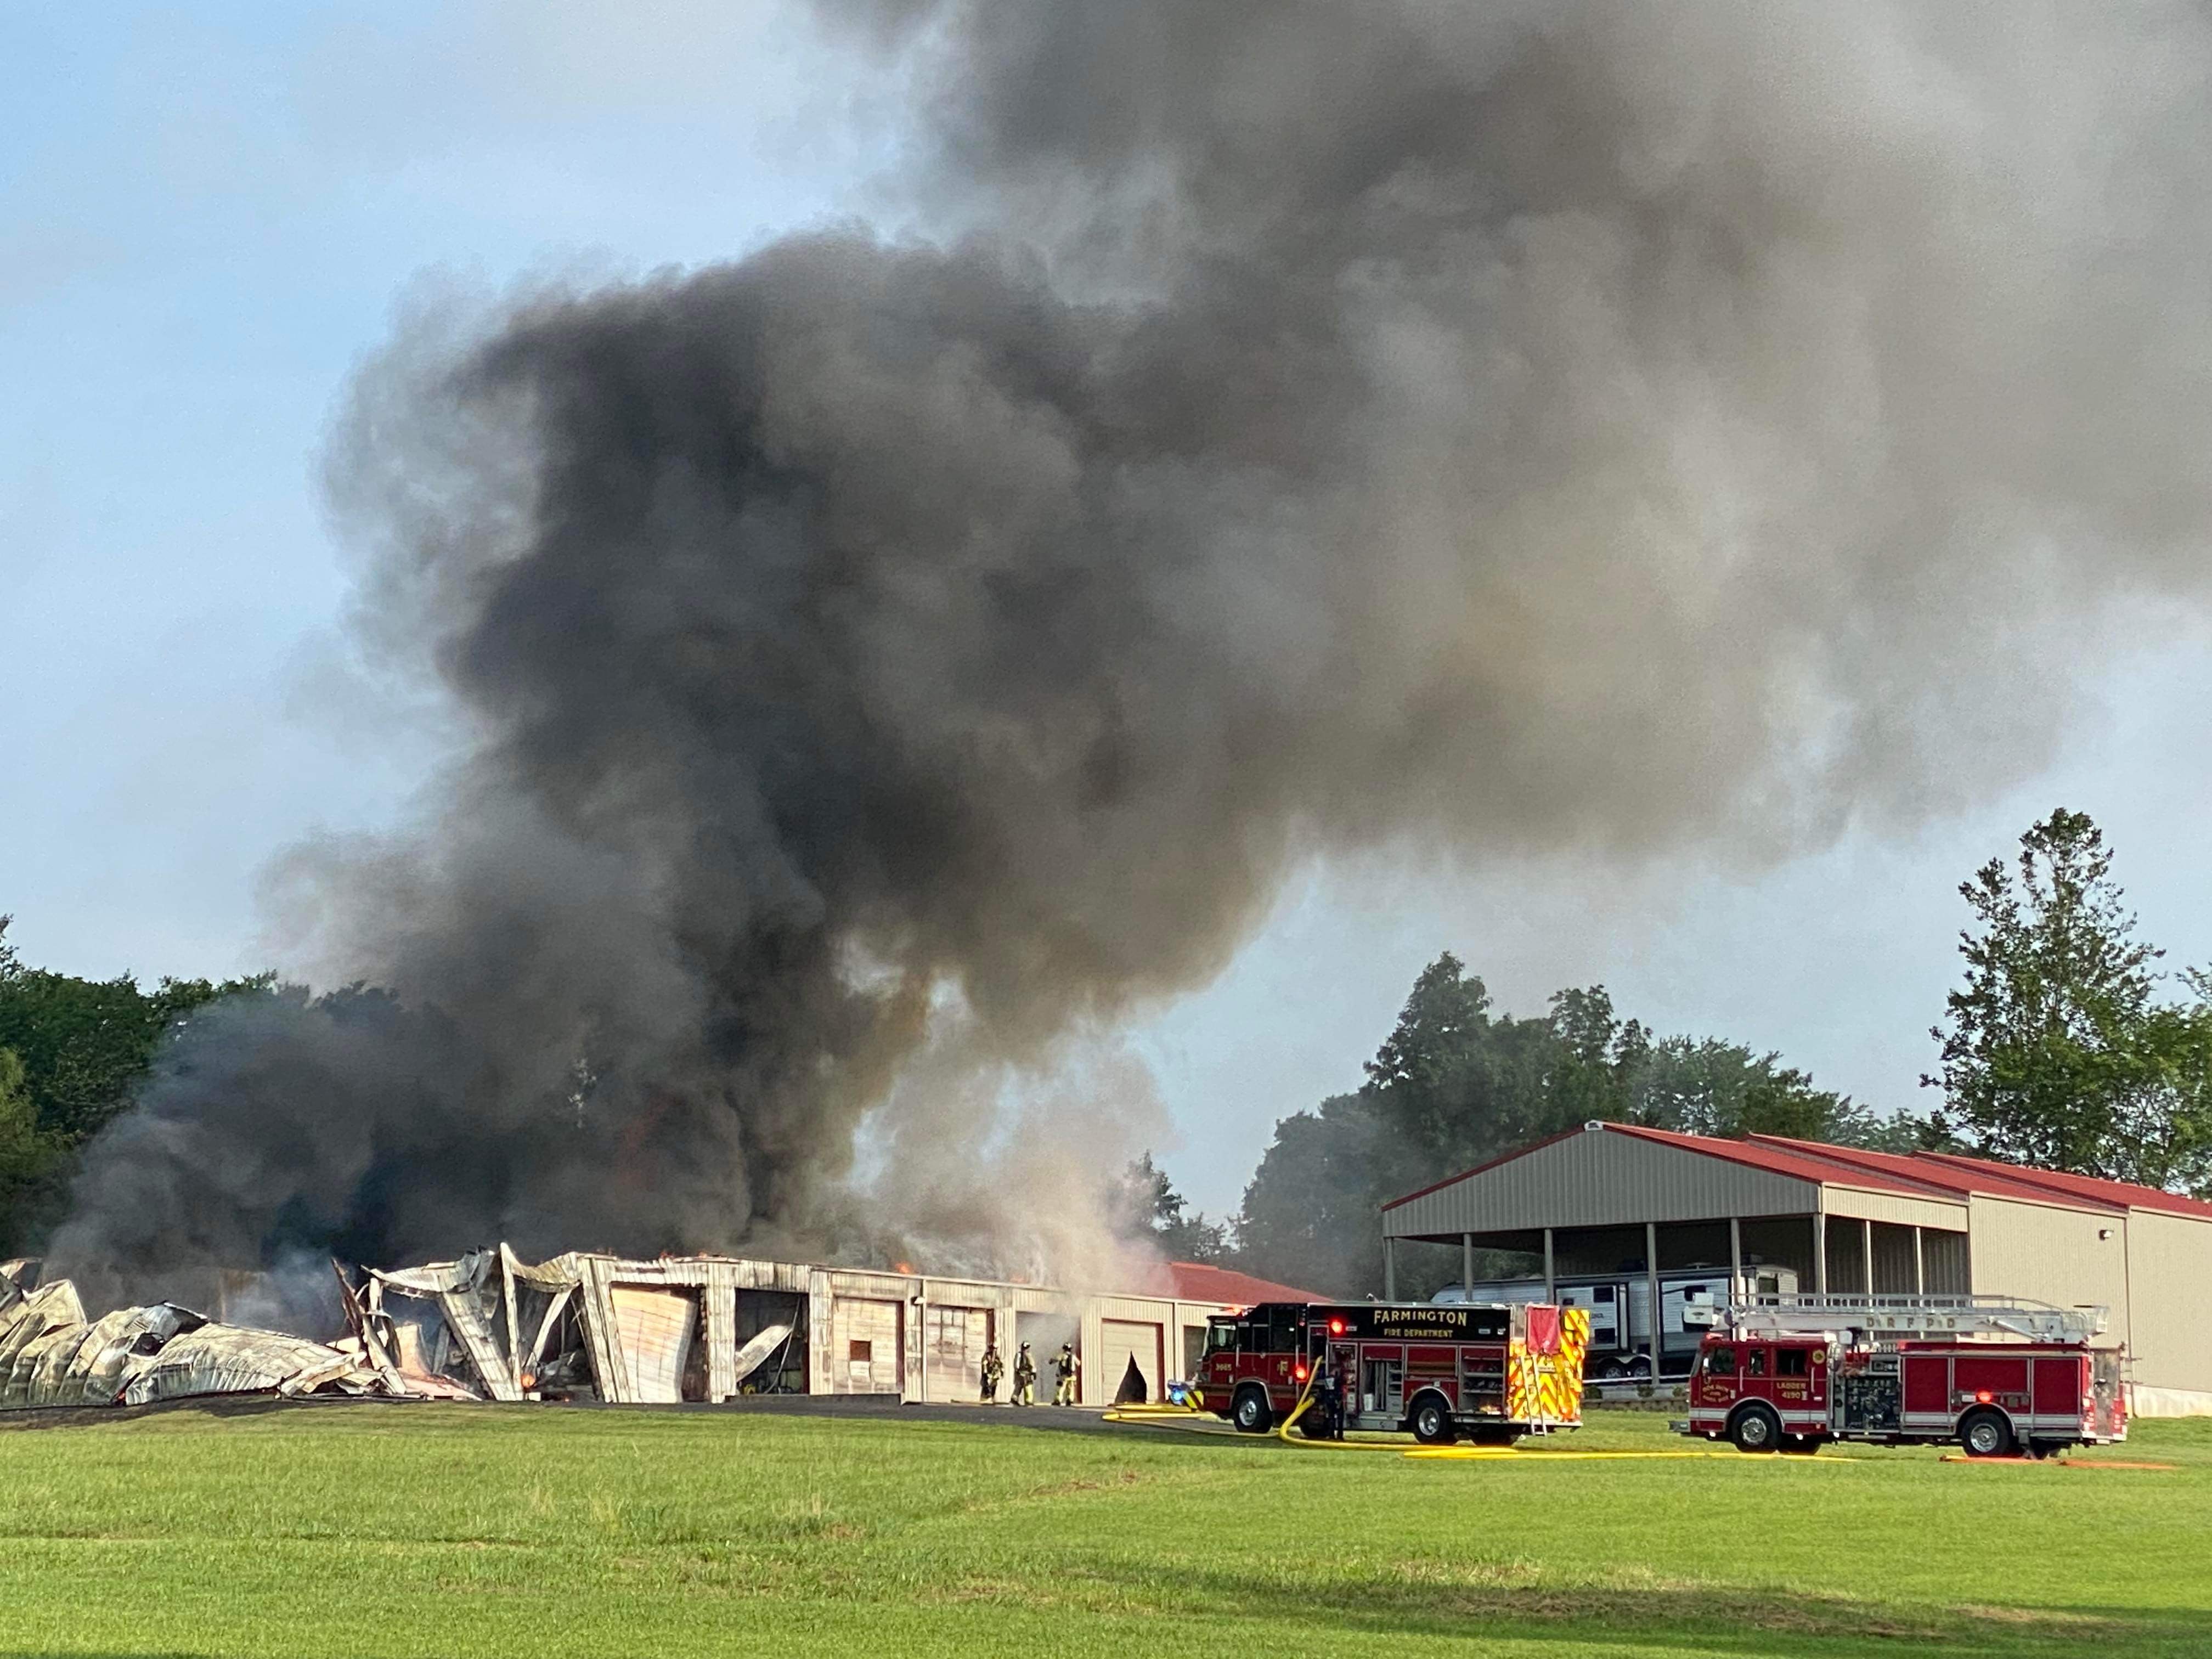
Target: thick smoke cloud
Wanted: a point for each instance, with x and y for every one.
(885, 662)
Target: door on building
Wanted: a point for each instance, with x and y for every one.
(1120, 1342)
(864, 1348)
(953, 1341)
(658, 1331)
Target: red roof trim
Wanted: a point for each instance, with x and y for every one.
(1916, 1167)
(2122, 1195)
(1793, 1158)
(1767, 1157)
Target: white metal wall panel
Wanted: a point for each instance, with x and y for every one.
(1597, 1179)
(1119, 1342)
(864, 1346)
(2052, 1256)
(2170, 1300)
(1947, 1215)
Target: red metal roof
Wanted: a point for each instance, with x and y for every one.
(1992, 1180)
(1805, 1160)
(2120, 1194)
(1225, 1287)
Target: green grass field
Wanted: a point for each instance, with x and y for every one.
(413, 1530)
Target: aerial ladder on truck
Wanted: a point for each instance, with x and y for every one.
(1992, 1372)
(1895, 1318)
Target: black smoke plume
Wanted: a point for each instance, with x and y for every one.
(1315, 427)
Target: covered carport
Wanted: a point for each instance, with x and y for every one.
(1613, 1198)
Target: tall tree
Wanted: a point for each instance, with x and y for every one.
(81, 1050)
(2058, 1050)
(1152, 1209)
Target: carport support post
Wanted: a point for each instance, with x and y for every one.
(1389, 1268)
(1820, 1252)
(1651, 1277)
(1866, 1251)
(1551, 1279)
(1919, 1266)
(1467, 1266)
(1736, 1258)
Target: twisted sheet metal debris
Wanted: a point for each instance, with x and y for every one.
(52, 1355)
(487, 1325)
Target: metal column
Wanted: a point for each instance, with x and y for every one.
(1551, 1279)
(1736, 1258)
(1389, 1269)
(1467, 1265)
(1919, 1266)
(1651, 1278)
(1820, 1251)
(1866, 1251)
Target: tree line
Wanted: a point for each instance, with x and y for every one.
(2066, 1045)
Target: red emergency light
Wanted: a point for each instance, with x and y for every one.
(1336, 1328)
(1984, 1397)
(1298, 1373)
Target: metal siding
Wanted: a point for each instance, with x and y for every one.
(1860, 1205)
(2052, 1256)
(1596, 1179)
(2170, 1300)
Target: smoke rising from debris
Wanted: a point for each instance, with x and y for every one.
(885, 662)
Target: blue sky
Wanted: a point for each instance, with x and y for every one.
(208, 218)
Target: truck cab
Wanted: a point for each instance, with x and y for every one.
(1764, 1394)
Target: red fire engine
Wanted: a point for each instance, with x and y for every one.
(1996, 1375)
(1487, 1371)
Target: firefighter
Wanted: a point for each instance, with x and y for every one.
(993, 1369)
(1024, 1378)
(1066, 1368)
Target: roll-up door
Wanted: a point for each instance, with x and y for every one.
(952, 1354)
(1119, 1342)
(864, 1348)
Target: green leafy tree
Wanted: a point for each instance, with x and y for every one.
(1311, 1213)
(1154, 1210)
(81, 1048)
(2057, 1051)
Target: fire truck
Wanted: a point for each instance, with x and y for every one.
(1995, 1375)
(1489, 1372)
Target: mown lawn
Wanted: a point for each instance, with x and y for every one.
(414, 1530)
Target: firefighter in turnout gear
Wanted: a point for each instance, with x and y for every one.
(993, 1369)
(1066, 1368)
(1024, 1378)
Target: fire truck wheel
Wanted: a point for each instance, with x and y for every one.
(1433, 1421)
(1986, 1434)
(1250, 1413)
(1756, 1429)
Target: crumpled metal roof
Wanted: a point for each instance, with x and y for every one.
(52, 1355)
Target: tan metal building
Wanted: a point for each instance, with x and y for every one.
(1844, 1220)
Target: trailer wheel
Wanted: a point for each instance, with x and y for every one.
(1250, 1413)
(1756, 1429)
(1986, 1434)
(1433, 1421)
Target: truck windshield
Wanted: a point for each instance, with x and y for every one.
(1220, 1336)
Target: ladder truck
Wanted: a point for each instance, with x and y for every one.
(1997, 1375)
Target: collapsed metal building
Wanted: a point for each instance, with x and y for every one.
(586, 1327)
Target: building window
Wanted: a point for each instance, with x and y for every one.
(860, 1353)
